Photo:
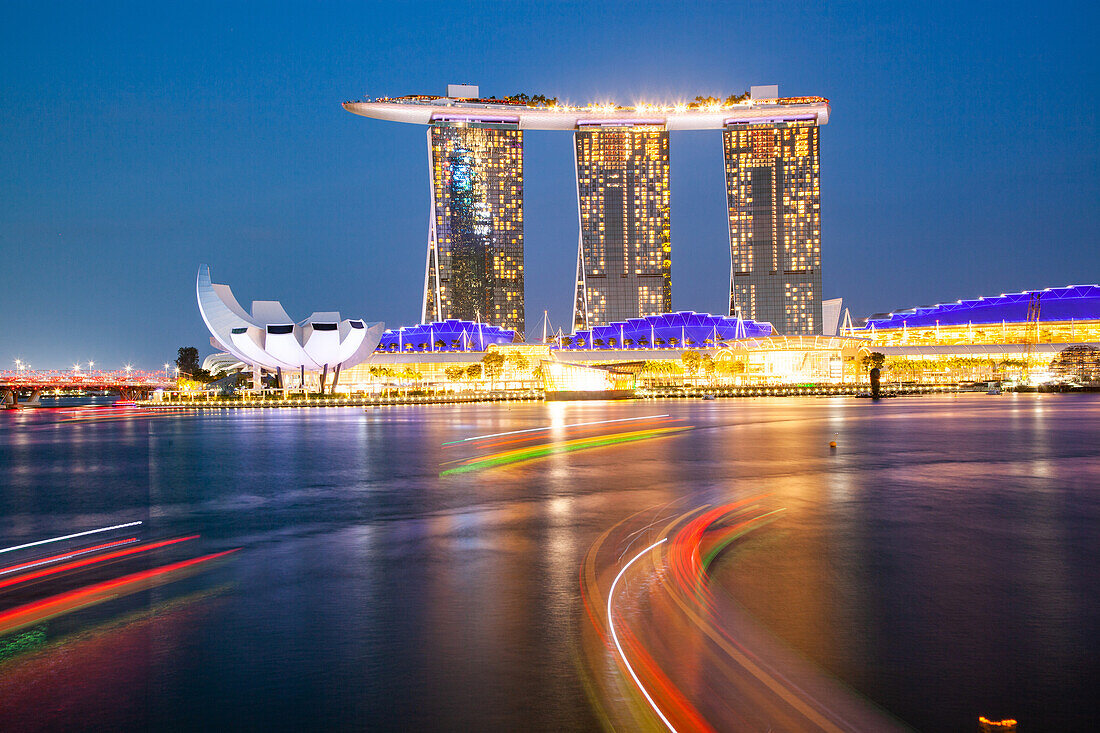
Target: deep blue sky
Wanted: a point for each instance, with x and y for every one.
(139, 140)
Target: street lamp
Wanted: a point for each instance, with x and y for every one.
(90, 364)
(166, 370)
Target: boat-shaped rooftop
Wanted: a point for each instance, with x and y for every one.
(426, 109)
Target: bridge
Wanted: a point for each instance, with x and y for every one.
(128, 383)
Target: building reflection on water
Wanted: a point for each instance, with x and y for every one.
(945, 550)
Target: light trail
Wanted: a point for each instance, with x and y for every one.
(541, 451)
(615, 636)
(549, 427)
(66, 556)
(697, 660)
(530, 438)
(114, 414)
(91, 561)
(45, 609)
(68, 537)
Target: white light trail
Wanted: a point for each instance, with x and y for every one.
(615, 637)
(533, 430)
(68, 536)
(59, 558)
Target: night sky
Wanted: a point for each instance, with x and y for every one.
(139, 140)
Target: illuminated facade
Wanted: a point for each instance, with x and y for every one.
(683, 330)
(568, 381)
(773, 188)
(621, 156)
(624, 267)
(474, 268)
(1065, 315)
(444, 336)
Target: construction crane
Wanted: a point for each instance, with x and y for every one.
(1031, 334)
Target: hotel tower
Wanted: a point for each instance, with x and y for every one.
(624, 255)
(474, 265)
(474, 268)
(773, 191)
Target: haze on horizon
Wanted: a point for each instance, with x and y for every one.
(139, 141)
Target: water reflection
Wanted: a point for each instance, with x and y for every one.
(945, 551)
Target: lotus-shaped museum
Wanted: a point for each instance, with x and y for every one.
(267, 337)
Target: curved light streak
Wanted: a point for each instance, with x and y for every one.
(69, 536)
(615, 636)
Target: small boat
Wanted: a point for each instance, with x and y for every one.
(709, 396)
(993, 390)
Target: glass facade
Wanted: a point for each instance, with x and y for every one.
(474, 268)
(773, 188)
(624, 255)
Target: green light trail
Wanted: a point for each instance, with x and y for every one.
(530, 454)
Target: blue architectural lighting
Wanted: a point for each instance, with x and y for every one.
(442, 336)
(685, 329)
(1073, 303)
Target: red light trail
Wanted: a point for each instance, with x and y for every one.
(664, 651)
(38, 611)
(66, 556)
(91, 561)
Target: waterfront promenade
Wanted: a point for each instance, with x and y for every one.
(176, 401)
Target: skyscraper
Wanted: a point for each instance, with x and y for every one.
(773, 187)
(624, 254)
(624, 263)
(474, 266)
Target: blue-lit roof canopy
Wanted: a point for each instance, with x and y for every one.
(1073, 303)
(686, 329)
(449, 335)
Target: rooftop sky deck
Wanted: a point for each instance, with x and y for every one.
(423, 110)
